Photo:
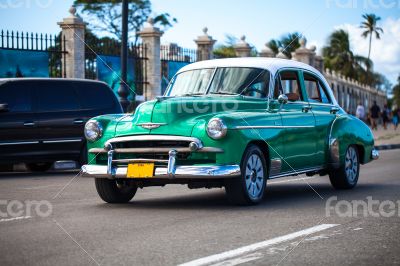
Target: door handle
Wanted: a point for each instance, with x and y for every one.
(78, 121)
(306, 108)
(334, 110)
(29, 124)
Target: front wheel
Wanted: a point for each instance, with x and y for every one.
(115, 191)
(249, 188)
(346, 177)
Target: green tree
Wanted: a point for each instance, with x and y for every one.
(226, 50)
(106, 16)
(289, 42)
(339, 57)
(370, 27)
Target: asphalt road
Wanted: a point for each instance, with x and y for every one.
(174, 225)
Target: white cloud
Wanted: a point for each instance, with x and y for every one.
(385, 52)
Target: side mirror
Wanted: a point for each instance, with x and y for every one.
(3, 107)
(282, 99)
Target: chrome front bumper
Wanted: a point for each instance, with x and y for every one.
(181, 172)
(374, 154)
(117, 168)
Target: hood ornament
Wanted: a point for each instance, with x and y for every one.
(151, 125)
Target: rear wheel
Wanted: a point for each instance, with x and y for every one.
(346, 177)
(115, 191)
(249, 188)
(38, 167)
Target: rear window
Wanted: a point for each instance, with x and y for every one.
(95, 95)
(55, 96)
(17, 95)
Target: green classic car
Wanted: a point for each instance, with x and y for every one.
(232, 123)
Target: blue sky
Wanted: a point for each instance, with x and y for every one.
(259, 20)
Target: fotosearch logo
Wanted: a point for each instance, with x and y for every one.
(365, 208)
(16, 208)
(363, 4)
(25, 3)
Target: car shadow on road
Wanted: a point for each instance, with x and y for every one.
(33, 175)
(278, 196)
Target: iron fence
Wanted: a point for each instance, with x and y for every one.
(176, 53)
(54, 45)
(109, 47)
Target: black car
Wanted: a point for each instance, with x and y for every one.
(42, 120)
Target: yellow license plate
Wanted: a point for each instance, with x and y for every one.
(140, 170)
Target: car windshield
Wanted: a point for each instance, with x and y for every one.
(225, 81)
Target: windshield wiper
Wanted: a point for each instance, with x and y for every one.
(191, 94)
(224, 93)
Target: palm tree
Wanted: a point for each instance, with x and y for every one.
(370, 26)
(289, 43)
(339, 57)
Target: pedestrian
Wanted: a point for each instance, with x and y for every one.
(360, 112)
(385, 116)
(375, 111)
(396, 117)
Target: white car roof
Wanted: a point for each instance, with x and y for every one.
(271, 64)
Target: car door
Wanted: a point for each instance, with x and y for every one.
(19, 135)
(324, 112)
(59, 118)
(298, 123)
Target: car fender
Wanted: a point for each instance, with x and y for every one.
(348, 130)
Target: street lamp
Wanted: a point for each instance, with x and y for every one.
(123, 90)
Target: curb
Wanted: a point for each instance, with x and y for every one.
(387, 147)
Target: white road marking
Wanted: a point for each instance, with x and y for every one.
(240, 260)
(15, 218)
(357, 229)
(40, 187)
(256, 246)
(292, 180)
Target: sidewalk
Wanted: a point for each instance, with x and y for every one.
(387, 139)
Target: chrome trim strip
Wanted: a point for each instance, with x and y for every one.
(62, 141)
(139, 161)
(269, 127)
(18, 143)
(275, 166)
(181, 172)
(295, 173)
(151, 125)
(154, 137)
(157, 150)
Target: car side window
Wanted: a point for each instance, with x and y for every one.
(315, 89)
(55, 96)
(17, 95)
(288, 83)
(259, 87)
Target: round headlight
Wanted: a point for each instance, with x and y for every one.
(93, 130)
(216, 129)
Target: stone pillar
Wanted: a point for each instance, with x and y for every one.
(242, 48)
(303, 54)
(73, 30)
(151, 37)
(267, 52)
(205, 46)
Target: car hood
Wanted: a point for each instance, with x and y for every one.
(179, 115)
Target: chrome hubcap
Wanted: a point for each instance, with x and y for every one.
(351, 164)
(254, 176)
